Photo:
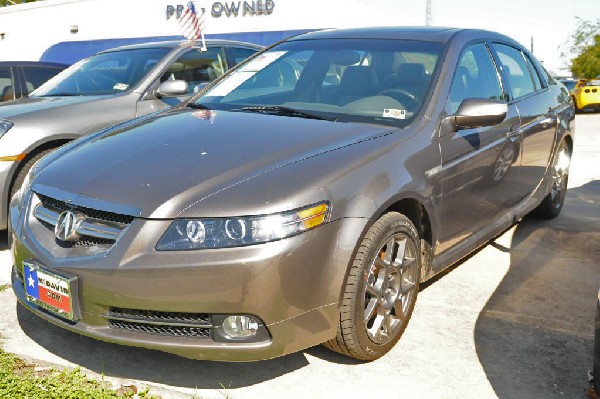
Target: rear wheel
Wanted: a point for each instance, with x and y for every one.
(552, 204)
(381, 290)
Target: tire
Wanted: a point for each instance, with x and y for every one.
(381, 290)
(23, 170)
(553, 202)
(577, 110)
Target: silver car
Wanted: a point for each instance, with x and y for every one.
(105, 89)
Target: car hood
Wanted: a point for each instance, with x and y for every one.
(167, 163)
(24, 106)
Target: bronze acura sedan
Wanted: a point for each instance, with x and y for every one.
(301, 199)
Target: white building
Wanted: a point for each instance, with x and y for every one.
(28, 30)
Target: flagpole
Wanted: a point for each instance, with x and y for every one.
(202, 30)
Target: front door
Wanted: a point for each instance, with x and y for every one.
(480, 165)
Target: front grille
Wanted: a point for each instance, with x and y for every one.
(61, 206)
(175, 324)
(173, 331)
(95, 230)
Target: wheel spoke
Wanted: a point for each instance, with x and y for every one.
(387, 325)
(399, 308)
(389, 251)
(375, 330)
(379, 264)
(370, 310)
(399, 260)
(373, 290)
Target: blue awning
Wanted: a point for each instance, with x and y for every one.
(71, 52)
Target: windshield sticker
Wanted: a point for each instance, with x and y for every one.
(238, 77)
(120, 86)
(394, 113)
(262, 61)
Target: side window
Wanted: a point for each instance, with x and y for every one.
(536, 78)
(475, 76)
(197, 67)
(240, 54)
(515, 70)
(36, 76)
(6, 88)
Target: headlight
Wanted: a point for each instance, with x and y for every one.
(187, 234)
(4, 126)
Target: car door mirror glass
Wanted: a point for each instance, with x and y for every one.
(171, 88)
(479, 112)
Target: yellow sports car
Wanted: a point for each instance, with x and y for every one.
(587, 95)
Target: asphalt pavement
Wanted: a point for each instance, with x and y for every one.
(514, 320)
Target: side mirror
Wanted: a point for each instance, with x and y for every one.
(478, 112)
(171, 88)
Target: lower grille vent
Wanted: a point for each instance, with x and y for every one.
(176, 324)
(174, 331)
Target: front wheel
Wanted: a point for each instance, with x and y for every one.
(381, 290)
(553, 202)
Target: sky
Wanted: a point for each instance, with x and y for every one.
(549, 22)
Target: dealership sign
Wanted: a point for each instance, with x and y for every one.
(230, 8)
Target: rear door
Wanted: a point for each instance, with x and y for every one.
(479, 165)
(537, 108)
(8, 87)
(35, 76)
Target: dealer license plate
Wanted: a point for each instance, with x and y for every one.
(48, 290)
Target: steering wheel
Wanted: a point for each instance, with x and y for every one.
(404, 97)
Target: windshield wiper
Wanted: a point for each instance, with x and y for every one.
(61, 95)
(196, 106)
(285, 111)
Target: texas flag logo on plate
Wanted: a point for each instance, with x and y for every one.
(48, 290)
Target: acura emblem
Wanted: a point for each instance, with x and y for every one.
(66, 227)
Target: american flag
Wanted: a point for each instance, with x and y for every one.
(191, 24)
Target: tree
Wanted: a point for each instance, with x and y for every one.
(583, 49)
(4, 3)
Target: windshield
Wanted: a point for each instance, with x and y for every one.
(346, 80)
(106, 73)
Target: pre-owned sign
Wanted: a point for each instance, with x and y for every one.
(230, 9)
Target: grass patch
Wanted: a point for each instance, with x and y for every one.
(19, 379)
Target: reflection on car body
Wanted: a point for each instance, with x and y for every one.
(279, 210)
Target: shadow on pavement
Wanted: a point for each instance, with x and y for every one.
(150, 365)
(534, 337)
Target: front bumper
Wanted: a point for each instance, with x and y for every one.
(293, 286)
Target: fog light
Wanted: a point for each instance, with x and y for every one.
(240, 326)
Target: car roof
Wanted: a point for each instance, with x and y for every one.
(424, 33)
(32, 63)
(171, 44)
